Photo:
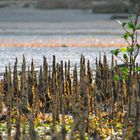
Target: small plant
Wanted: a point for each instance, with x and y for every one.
(129, 54)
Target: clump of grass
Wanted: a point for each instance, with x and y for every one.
(60, 104)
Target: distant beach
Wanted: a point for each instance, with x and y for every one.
(64, 33)
(52, 28)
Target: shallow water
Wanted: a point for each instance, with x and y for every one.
(8, 54)
(64, 33)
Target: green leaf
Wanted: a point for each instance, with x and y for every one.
(138, 69)
(86, 138)
(130, 50)
(116, 78)
(67, 128)
(125, 57)
(130, 16)
(124, 49)
(131, 26)
(138, 45)
(123, 24)
(127, 35)
(115, 52)
(125, 70)
(119, 125)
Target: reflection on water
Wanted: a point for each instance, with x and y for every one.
(8, 54)
(64, 33)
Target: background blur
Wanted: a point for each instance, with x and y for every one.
(65, 28)
(106, 6)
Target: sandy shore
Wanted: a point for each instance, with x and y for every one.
(66, 42)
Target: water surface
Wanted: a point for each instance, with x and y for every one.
(64, 33)
(8, 55)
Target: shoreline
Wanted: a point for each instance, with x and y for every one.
(84, 41)
(22, 27)
(109, 45)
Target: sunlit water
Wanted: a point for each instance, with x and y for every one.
(64, 33)
(8, 55)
